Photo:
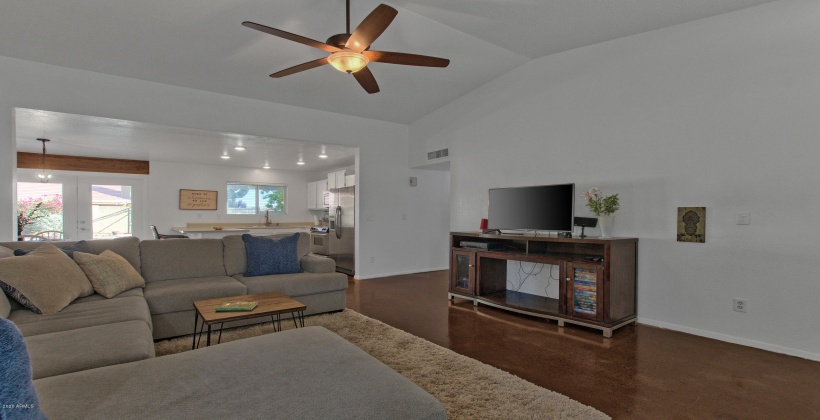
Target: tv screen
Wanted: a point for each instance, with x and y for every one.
(545, 207)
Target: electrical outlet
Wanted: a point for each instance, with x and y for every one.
(372, 260)
(740, 305)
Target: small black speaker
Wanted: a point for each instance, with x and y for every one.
(585, 222)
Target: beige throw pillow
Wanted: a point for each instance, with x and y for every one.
(44, 281)
(6, 252)
(109, 273)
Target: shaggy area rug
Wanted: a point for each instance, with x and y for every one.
(467, 388)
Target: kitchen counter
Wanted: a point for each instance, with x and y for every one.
(206, 230)
(185, 230)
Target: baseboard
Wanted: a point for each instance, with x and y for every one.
(732, 339)
(400, 273)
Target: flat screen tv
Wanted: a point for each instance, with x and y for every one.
(544, 207)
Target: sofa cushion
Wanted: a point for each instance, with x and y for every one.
(180, 294)
(305, 373)
(91, 347)
(294, 285)
(81, 246)
(6, 252)
(127, 247)
(81, 315)
(317, 264)
(17, 393)
(165, 260)
(271, 256)
(235, 257)
(128, 293)
(5, 306)
(44, 281)
(109, 273)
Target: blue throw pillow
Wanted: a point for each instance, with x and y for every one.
(17, 393)
(271, 256)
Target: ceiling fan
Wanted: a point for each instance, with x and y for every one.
(350, 52)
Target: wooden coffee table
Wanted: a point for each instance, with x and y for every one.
(269, 304)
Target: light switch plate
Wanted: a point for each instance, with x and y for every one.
(743, 218)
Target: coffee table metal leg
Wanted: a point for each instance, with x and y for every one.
(293, 316)
(221, 325)
(196, 319)
(279, 321)
(302, 318)
(208, 342)
(201, 327)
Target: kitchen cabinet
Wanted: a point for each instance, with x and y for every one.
(316, 195)
(339, 179)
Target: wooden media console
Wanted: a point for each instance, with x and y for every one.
(597, 280)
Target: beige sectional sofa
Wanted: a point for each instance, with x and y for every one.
(95, 358)
(177, 273)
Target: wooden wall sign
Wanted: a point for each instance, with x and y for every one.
(197, 200)
(692, 224)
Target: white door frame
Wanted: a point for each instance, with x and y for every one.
(72, 212)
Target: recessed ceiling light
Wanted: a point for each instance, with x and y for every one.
(240, 148)
(301, 162)
(323, 156)
(266, 166)
(225, 157)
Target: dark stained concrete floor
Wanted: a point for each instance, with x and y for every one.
(642, 372)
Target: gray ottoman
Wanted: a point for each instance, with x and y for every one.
(305, 373)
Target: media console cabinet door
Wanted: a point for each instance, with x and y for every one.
(585, 291)
(462, 273)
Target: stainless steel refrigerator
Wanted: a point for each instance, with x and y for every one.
(342, 229)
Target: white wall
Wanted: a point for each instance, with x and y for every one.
(721, 113)
(422, 218)
(167, 178)
(381, 166)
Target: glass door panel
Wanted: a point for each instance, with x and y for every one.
(585, 291)
(463, 276)
(109, 208)
(40, 210)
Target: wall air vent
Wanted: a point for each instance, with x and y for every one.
(438, 154)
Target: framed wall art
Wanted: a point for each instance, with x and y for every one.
(692, 224)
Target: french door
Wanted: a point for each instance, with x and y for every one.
(92, 207)
(109, 207)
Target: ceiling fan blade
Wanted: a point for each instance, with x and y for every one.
(406, 59)
(371, 27)
(366, 79)
(301, 67)
(292, 37)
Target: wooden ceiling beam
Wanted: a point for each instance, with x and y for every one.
(83, 164)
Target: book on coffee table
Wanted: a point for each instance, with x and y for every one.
(239, 305)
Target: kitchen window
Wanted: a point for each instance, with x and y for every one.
(245, 198)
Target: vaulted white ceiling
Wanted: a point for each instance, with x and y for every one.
(201, 44)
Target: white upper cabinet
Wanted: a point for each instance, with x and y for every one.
(316, 192)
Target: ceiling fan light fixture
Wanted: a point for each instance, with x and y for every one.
(348, 61)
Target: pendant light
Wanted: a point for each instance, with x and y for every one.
(44, 175)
